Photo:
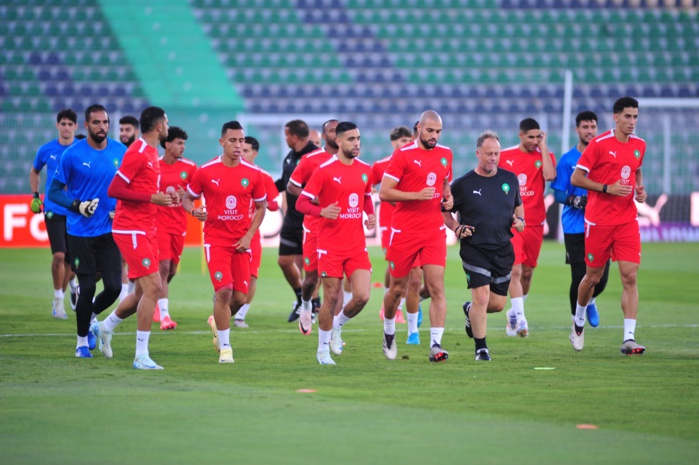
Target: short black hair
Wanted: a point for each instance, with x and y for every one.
(232, 125)
(400, 131)
(130, 119)
(325, 125)
(415, 127)
(625, 102)
(253, 143)
(93, 108)
(150, 117)
(345, 126)
(174, 133)
(68, 114)
(585, 116)
(528, 124)
(80, 136)
(298, 128)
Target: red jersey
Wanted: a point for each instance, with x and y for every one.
(173, 219)
(228, 192)
(350, 187)
(271, 193)
(532, 185)
(415, 168)
(386, 208)
(607, 161)
(141, 170)
(302, 173)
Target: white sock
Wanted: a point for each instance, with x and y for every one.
(82, 342)
(323, 340)
(346, 297)
(579, 314)
(124, 291)
(224, 338)
(93, 318)
(402, 302)
(111, 322)
(162, 305)
(58, 293)
(242, 312)
(73, 284)
(389, 326)
(132, 285)
(339, 320)
(524, 297)
(306, 305)
(518, 306)
(142, 342)
(592, 302)
(412, 323)
(629, 329)
(436, 336)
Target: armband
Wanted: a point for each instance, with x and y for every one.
(604, 188)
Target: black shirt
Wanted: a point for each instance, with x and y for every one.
(487, 203)
(288, 167)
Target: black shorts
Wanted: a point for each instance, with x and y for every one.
(92, 254)
(575, 248)
(291, 237)
(56, 229)
(488, 267)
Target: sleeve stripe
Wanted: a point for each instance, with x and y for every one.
(260, 199)
(311, 196)
(584, 168)
(195, 195)
(386, 175)
(121, 175)
(294, 182)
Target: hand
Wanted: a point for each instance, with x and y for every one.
(464, 230)
(619, 189)
(542, 142)
(425, 194)
(370, 222)
(85, 208)
(331, 212)
(641, 194)
(161, 198)
(243, 244)
(36, 204)
(577, 201)
(448, 202)
(200, 213)
(181, 192)
(517, 223)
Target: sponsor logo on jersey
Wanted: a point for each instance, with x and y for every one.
(478, 192)
(365, 178)
(431, 179)
(418, 163)
(86, 164)
(231, 202)
(216, 181)
(353, 200)
(338, 179)
(612, 153)
(626, 172)
(244, 182)
(522, 179)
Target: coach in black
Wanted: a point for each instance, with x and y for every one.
(488, 203)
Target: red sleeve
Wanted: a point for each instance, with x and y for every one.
(304, 205)
(396, 167)
(131, 165)
(272, 193)
(120, 189)
(300, 175)
(258, 190)
(368, 201)
(375, 174)
(194, 186)
(587, 159)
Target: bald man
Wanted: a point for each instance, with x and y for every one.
(417, 180)
(314, 136)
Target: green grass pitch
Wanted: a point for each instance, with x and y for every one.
(57, 409)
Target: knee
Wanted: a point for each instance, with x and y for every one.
(361, 298)
(224, 295)
(629, 278)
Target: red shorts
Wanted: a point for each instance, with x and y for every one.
(170, 246)
(310, 250)
(408, 250)
(139, 251)
(256, 250)
(227, 266)
(620, 241)
(385, 232)
(334, 265)
(527, 245)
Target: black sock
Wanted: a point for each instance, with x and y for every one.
(480, 344)
(298, 295)
(316, 303)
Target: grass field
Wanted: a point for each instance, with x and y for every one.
(55, 408)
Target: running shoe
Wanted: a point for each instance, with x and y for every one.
(389, 346)
(631, 347)
(104, 338)
(577, 337)
(483, 355)
(238, 323)
(144, 362)
(74, 294)
(58, 311)
(511, 328)
(467, 308)
(323, 357)
(226, 356)
(83, 352)
(336, 344)
(592, 315)
(212, 325)
(437, 354)
(306, 322)
(522, 327)
(167, 324)
(413, 338)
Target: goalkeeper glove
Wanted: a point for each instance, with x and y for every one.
(36, 203)
(577, 201)
(85, 208)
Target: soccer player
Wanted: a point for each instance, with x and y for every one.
(129, 131)
(314, 136)
(489, 206)
(533, 164)
(49, 155)
(171, 220)
(417, 178)
(84, 171)
(342, 188)
(574, 200)
(399, 136)
(229, 184)
(250, 151)
(610, 170)
(299, 178)
(135, 185)
(296, 133)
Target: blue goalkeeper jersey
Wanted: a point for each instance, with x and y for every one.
(572, 219)
(49, 155)
(87, 174)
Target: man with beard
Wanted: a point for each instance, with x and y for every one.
(297, 134)
(417, 179)
(574, 200)
(128, 132)
(298, 180)
(135, 185)
(85, 171)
